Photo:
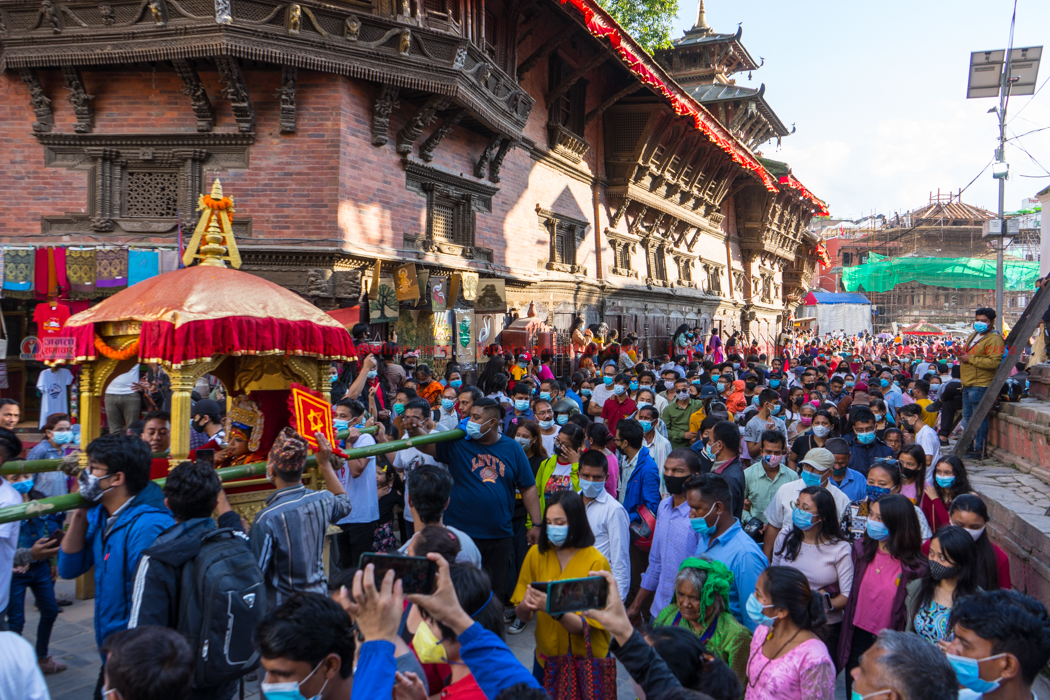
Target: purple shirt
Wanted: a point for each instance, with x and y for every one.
(674, 541)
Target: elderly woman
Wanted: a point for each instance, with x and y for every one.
(701, 605)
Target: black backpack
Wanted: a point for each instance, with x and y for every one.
(223, 600)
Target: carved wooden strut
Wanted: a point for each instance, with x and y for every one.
(386, 103)
(486, 157)
(426, 151)
(80, 99)
(289, 81)
(45, 119)
(236, 91)
(411, 131)
(202, 108)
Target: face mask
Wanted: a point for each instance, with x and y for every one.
(545, 395)
(721, 387)
(980, 327)
(910, 473)
(428, 648)
(700, 525)
(944, 481)
(523, 441)
(590, 489)
(523, 365)
(197, 427)
(866, 438)
(736, 365)
(811, 479)
(647, 425)
(643, 404)
(675, 484)
(546, 424)
(775, 409)
(774, 383)
(975, 534)
(939, 572)
(607, 381)
(877, 531)
(754, 400)
(669, 385)
(585, 392)
(874, 493)
(562, 419)
(557, 534)
(91, 486)
(968, 672)
(750, 386)
(773, 461)
(821, 431)
(340, 425)
(857, 696)
(448, 404)
(521, 404)
(806, 421)
(850, 385)
(634, 386)
(23, 487)
(802, 519)
(62, 437)
(290, 690)
(754, 609)
(473, 430)
(372, 373)
(456, 383)
(399, 408)
(709, 452)
(619, 389)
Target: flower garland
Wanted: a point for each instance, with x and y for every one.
(223, 204)
(128, 352)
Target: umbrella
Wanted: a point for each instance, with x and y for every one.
(884, 336)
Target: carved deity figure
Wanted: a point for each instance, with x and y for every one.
(352, 29)
(295, 19)
(404, 45)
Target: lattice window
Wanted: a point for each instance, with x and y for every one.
(564, 245)
(151, 194)
(685, 269)
(627, 130)
(569, 110)
(623, 256)
(443, 221)
(714, 280)
(565, 233)
(657, 263)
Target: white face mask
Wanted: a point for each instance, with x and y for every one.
(290, 690)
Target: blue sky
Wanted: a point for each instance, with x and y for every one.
(877, 91)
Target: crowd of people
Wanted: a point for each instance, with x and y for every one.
(763, 524)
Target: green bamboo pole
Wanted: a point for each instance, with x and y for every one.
(46, 506)
(37, 466)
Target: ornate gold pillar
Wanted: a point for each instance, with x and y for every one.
(90, 410)
(182, 381)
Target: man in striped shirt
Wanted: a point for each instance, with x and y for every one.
(288, 535)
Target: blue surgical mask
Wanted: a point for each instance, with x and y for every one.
(874, 493)
(546, 424)
(968, 671)
(557, 534)
(473, 430)
(545, 395)
(721, 387)
(811, 479)
(775, 409)
(944, 481)
(736, 365)
(700, 525)
(802, 519)
(884, 383)
(619, 389)
(608, 381)
(755, 609)
(340, 425)
(23, 487)
(647, 425)
(521, 404)
(642, 404)
(774, 383)
(523, 365)
(980, 327)
(586, 393)
(456, 383)
(399, 408)
(373, 373)
(876, 530)
(562, 418)
(754, 400)
(590, 489)
(62, 437)
(857, 696)
(850, 385)
(448, 404)
(290, 690)
(866, 438)
(633, 386)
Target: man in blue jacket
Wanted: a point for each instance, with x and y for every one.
(865, 446)
(111, 535)
(639, 485)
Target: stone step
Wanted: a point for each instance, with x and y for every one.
(1019, 435)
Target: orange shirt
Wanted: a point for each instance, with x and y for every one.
(432, 392)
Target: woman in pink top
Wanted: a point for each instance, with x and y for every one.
(787, 661)
(885, 560)
(599, 437)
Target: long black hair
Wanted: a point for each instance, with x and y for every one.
(961, 484)
(692, 664)
(486, 382)
(960, 549)
(474, 591)
(987, 563)
(580, 534)
(788, 589)
(905, 541)
(830, 529)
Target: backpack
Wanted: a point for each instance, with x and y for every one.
(223, 600)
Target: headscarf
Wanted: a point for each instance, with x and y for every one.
(719, 581)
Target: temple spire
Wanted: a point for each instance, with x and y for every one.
(212, 244)
(701, 20)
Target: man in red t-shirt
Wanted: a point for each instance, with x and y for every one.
(620, 404)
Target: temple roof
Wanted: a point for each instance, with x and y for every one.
(717, 92)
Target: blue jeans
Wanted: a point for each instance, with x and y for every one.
(38, 578)
(972, 396)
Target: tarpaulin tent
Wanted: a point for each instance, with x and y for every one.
(849, 313)
(882, 274)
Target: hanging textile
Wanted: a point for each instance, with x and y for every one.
(1, 272)
(18, 272)
(61, 274)
(142, 264)
(169, 260)
(40, 272)
(112, 270)
(81, 270)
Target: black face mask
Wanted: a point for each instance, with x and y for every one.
(750, 386)
(798, 400)
(808, 387)
(910, 473)
(197, 427)
(675, 484)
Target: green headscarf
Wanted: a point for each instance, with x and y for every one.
(719, 580)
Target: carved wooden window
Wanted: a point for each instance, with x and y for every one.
(657, 263)
(622, 257)
(738, 281)
(685, 269)
(151, 194)
(452, 204)
(714, 279)
(570, 109)
(566, 233)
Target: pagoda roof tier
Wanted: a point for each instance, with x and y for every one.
(750, 129)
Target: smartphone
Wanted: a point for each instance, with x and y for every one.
(206, 457)
(57, 536)
(573, 595)
(417, 574)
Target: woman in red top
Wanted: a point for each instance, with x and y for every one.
(949, 476)
(993, 565)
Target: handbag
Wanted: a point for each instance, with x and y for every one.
(572, 677)
(642, 530)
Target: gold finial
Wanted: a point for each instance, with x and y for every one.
(215, 229)
(701, 20)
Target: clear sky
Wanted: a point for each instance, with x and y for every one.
(877, 91)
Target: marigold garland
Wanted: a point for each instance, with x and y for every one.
(217, 204)
(128, 352)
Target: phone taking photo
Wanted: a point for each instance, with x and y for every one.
(417, 574)
(576, 594)
(206, 457)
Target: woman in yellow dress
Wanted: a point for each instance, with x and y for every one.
(565, 551)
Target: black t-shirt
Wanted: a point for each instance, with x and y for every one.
(803, 444)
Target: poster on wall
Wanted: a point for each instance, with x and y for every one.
(443, 335)
(492, 297)
(406, 285)
(465, 284)
(439, 293)
(487, 329)
(464, 336)
(373, 287)
(383, 309)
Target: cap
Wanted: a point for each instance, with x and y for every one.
(206, 407)
(820, 459)
(708, 392)
(836, 446)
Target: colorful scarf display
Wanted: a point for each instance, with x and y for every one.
(112, 270)
(142, 264)
(18, 272)
(81, 270)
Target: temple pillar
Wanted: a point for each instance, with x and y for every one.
(90, 410)
(182, 381)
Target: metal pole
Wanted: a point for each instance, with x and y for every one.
(46, 506)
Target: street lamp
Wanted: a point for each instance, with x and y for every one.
(1001, 74)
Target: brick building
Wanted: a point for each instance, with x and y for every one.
(529, 142)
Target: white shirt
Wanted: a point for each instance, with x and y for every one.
(778, 512)
(659, 449)
(548, 440)
(448, 420)
(931, 445)
(599, 395)
(9, 496)
(121, 385)
(468, 551)
(52, 385)
(363, 490)
(609, 523)
(407, 461)
(20, 676)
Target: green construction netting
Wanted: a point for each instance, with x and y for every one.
(884, 274)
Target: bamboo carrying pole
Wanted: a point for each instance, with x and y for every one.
(46, 506)
(37, 466)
